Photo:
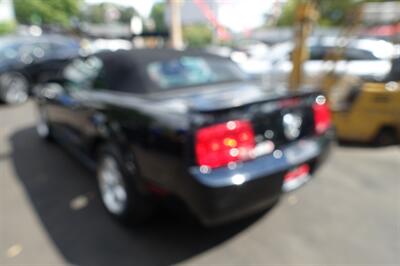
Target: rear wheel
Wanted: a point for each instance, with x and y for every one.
(118, 191)
(13, 88)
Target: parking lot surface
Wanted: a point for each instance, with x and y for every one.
(50, 213)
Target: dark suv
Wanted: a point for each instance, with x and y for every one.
(26, 61)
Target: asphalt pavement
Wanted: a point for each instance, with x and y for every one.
(50, 214)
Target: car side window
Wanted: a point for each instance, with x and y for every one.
(317, 52)
(359, 54)
(57, 47)
(120, 76)
(31, 52)
(40, 49)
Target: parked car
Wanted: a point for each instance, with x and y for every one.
(26, 60)
(368, 111)
(251, 56)
(161, 122)
(365, 58)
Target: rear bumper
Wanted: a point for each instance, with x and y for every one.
(225, 194)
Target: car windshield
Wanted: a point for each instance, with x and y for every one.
(9, 50)
(191, 71)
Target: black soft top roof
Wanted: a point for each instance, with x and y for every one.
(125, 70)
(146, 55)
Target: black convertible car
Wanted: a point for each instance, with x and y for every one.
(27, 60)
(159, 123)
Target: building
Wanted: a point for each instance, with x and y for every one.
(6, 11)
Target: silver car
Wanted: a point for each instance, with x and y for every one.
(364, 58)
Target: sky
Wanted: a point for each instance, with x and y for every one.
(142, 6)
(242, 15)
(238, 15)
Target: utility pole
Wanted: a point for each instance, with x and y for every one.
(307, 15)
(176, 24)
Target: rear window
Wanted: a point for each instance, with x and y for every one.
(191, 71)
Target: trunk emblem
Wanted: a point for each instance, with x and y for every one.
(292, 123)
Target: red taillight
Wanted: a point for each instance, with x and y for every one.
(223, 143)
(322, 115)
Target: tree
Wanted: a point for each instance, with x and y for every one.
(127, 14)
(94, 14)
(97, 13)
(197, 35)
(157, 14)
(46, 11)
(288, 15)
(332, 13)
(7, 27)
(335, 13)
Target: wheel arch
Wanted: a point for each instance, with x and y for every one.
(391, 130)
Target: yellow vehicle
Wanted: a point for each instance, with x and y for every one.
(362, 111)
(370, 111)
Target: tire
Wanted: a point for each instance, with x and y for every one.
(43, 127)
(14, 88)
(118, 190)
(386, 137)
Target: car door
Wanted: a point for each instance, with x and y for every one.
(62, 107)
(54, 57)
(71, 109)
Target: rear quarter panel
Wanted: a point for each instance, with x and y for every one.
(155, 136)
